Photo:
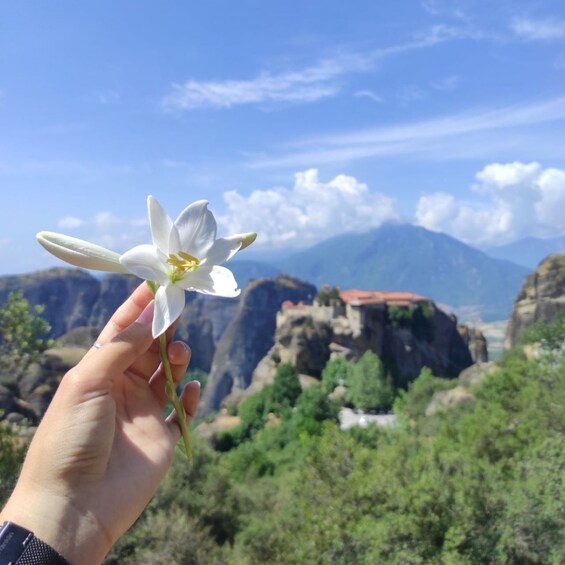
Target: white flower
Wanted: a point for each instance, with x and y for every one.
(185, 255)
(81, 253)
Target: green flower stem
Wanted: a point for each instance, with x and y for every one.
(172, 395)
(170, 388)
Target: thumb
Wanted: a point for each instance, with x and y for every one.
(120, 353)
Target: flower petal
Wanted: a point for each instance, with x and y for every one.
(216, 281)
(197, 229)
(169, 304)
(144, 261)
(221, 250)
(161, 225)
(246, 239)
(81, 253)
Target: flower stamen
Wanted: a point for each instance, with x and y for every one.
(182, 263)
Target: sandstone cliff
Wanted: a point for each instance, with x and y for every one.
(75, 299)
(308, 336)
(249, 336)
(541, 298)
(78, 305)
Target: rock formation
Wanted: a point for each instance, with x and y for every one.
(541, 298)
(476, 342)
(29, 396)
(249, 336)
(77, 306)
(75, 299)
(407, 331)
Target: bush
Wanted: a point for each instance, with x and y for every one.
(369, 388)
(412, 404)
(286, 388)
(336, 370)
(22, 334)
(313, 408)
(11, 457)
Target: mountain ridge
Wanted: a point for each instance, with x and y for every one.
(410, 258)
(528, 251)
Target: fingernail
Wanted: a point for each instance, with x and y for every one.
(146, 317)
(197, 382)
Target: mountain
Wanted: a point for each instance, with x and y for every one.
(246, 271)
(410, 258)
(529, 251)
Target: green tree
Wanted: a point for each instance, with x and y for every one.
(286, 387)
(413, 403)
(22, 335)
(369, 387)
(327, 296)
(312, 409)
(550, 334)
(336, 370)
(12, 453)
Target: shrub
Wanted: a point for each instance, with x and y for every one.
(369, 388)
(286, 387)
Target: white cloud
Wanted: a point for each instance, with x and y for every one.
(309, 212)
(447, 83)
(443, 8)
(538, 30)
(309, 84)
(518, 200)
(498, 176)
(435, 210)
(368, 94)
(443, 136)
(106, 220)
(411, 93)
(559, 62)
(70, 222)
(306, 85)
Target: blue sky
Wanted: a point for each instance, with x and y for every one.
(298, 120)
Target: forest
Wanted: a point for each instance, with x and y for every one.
(483, 482)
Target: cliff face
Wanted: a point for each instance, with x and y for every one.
(249, 336)
(307, 338)
(75, 299)
(541, 298)
(78, 305)
(68, 295)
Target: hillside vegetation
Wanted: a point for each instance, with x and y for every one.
(481, 483)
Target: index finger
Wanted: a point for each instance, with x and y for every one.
(127, 313)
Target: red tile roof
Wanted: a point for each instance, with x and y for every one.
(380, 297)
(288, 304)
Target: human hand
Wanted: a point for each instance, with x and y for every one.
(103, 445)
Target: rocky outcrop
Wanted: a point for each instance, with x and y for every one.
(541, 298)
(27, 397)
(476, 342)
(77, 306)
(308, 336)
(69, 296)
(76, 301)
(249, 336)
(448, 399)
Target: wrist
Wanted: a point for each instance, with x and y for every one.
(53, 519)
(20, 545)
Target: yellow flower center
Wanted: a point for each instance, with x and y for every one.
(182, 263)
